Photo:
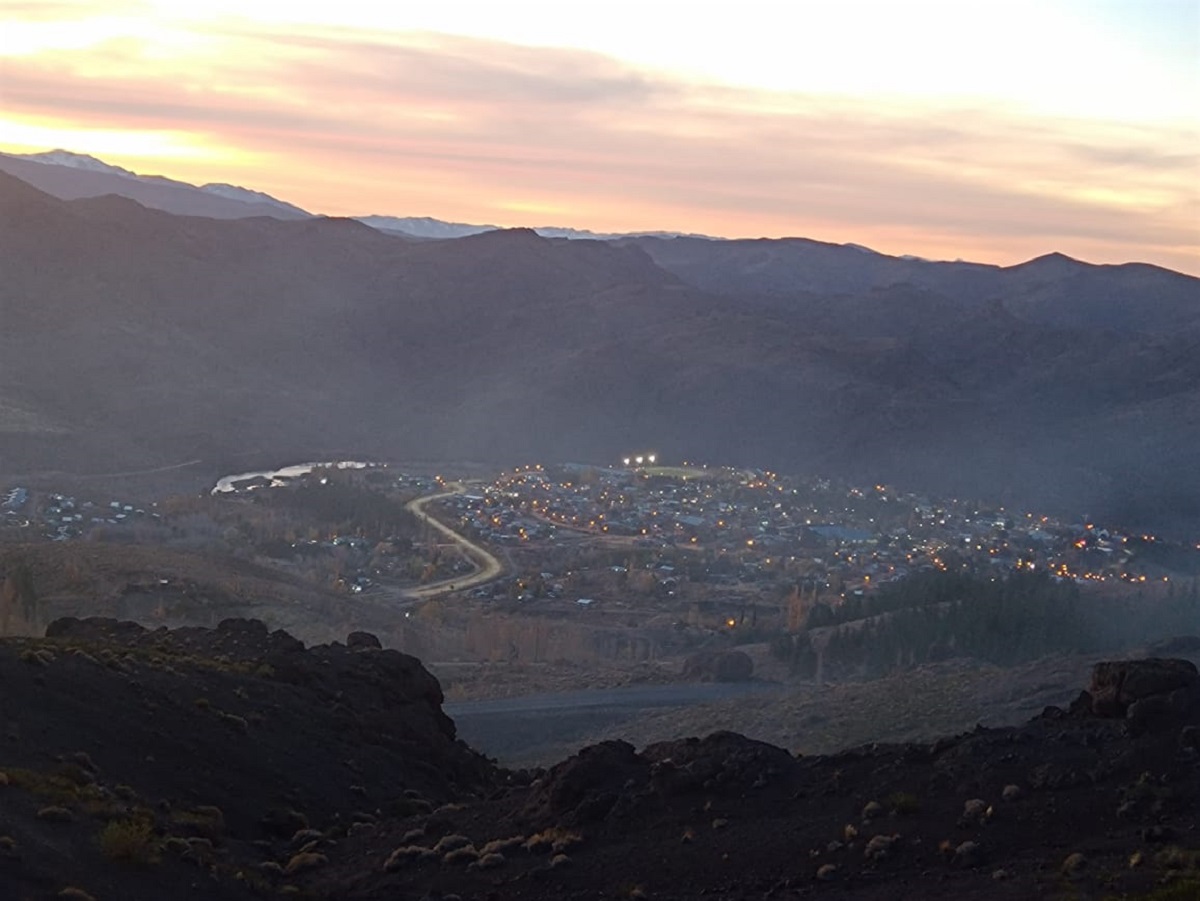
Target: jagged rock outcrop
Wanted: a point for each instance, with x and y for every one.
(1132, 688)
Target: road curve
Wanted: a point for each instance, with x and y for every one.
(488, 568)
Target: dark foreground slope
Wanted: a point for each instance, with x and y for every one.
(235, 764)
(151, 764)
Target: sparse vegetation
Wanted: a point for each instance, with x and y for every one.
(465, 854)
(903, 803)
(130, 841)
(451, 843)
(207, 821)
(555, 839)
(305, 860)
(489, 861)
(407, 854)
(500, 845)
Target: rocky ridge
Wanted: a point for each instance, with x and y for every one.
(330, 772)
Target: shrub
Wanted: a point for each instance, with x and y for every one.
(500, 845)
(451, 843)
(465, 854)
(307, 860)
(408, 854)
(903, 803)
(555, 839)
(129, 841)
(206, 821)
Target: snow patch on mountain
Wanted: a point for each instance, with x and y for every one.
(236, 192)
(424, 226)
(74, 161)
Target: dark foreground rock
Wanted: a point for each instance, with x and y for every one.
(1118, 686)
(235, 763)
(193, 745)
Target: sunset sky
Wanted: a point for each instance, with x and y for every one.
(994, 131)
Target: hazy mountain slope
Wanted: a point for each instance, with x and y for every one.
(149, 339)
(1051, 290)
(82, 178)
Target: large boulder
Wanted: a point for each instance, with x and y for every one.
(720, 759)
(586, 787)
(1118, 685)
(363, 641)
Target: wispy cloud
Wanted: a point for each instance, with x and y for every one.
(470, 129)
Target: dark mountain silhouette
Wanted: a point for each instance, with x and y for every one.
(134, 338)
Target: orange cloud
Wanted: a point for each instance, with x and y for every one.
(474, 130)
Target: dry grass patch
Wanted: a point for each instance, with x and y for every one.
(465, 854)
(556, 840)
(500, 845)
(130, 841)
(408, 854)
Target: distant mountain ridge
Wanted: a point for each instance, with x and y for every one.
(236, 202)
(75, 176)
(769, 266)
(88, 163)
(425, 227)
(67, 158)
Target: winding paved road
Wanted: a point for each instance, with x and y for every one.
(488, 568)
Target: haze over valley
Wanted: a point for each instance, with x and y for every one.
(172, 338)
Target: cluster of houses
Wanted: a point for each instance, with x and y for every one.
(61, 516)
(760, 525)
(808, 529)
(14, 500)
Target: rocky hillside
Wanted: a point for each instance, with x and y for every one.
(140, 763)
(235, 763)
